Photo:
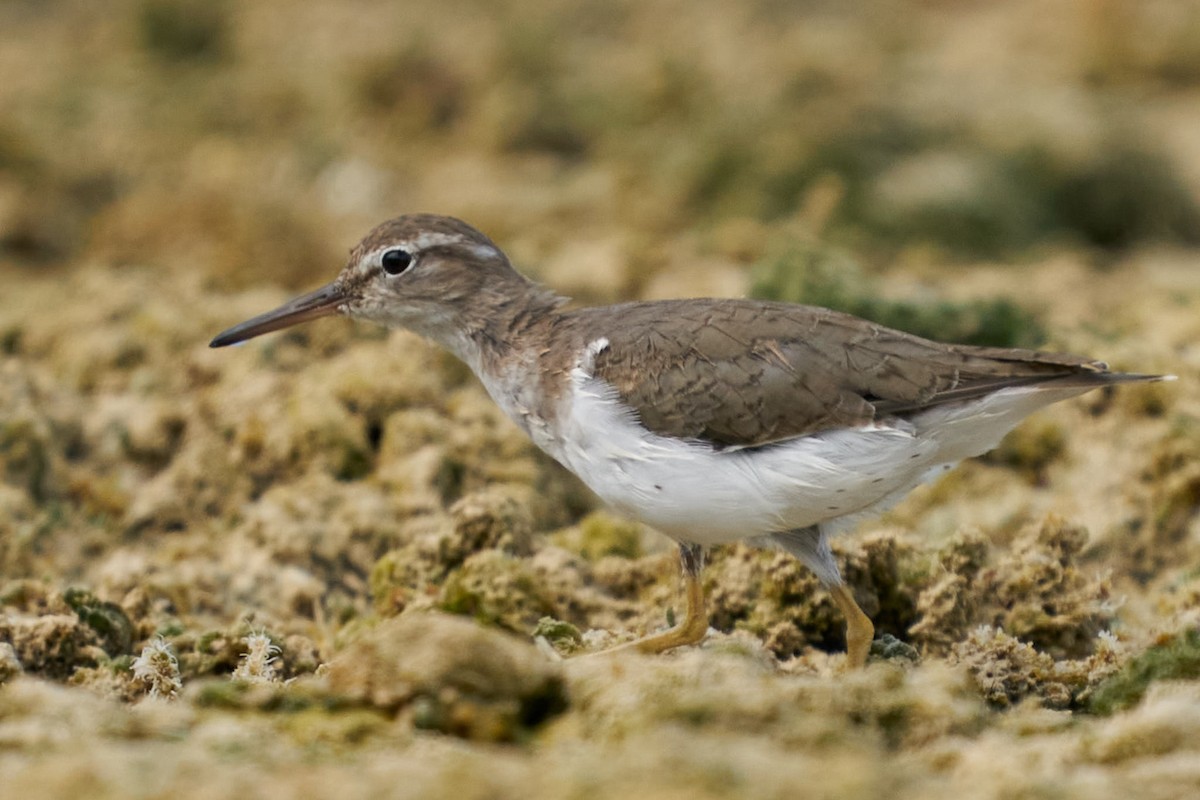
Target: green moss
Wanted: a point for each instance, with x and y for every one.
(121, 664)
(402, 574)
(902, 180)
(108, 620)
(278, 697)
(208, 639)
(496, 589)
(1175, 659)
(822, 276)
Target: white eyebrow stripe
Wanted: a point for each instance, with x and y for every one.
(429, 239)
(483, 251)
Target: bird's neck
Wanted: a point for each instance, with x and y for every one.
(501, 324)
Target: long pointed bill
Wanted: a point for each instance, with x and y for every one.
(321, 303)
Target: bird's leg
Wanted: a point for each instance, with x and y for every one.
(695, 623)
(859, 630)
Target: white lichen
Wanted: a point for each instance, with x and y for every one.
(258, 662)
(1109, 656)
(10, 665)
(158, 669)
(1108, 642)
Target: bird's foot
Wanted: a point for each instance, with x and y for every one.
(690, 631)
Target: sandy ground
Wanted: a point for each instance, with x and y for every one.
(323, 564)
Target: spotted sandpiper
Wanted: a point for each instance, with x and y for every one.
(709, 420)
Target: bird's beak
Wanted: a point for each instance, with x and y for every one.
(321, 303)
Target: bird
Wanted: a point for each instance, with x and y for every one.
(709, 420)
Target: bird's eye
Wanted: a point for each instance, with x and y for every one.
(396, 261)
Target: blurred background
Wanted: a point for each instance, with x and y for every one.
(609, 147)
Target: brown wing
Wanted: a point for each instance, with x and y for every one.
(736, 373)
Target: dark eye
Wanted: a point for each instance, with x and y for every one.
(396, 261)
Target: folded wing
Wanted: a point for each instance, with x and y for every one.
(741, 374)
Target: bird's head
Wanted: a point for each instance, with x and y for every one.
(434, 275)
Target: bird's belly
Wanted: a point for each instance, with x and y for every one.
(713, 497)
(693, 492)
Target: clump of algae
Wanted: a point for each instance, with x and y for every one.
(53, 645)
(498, 589)
(1007, 670)
(108, 620)
(1041, 595)
(406, 576)
(564, 636)
(1036, 592)
(470, 561)
(47, 637)
(31, 436)
(948, 606)
(1172, 477)
(492, 518)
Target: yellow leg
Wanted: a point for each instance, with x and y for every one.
(859, 630)
(690, 631)
(695, 623)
